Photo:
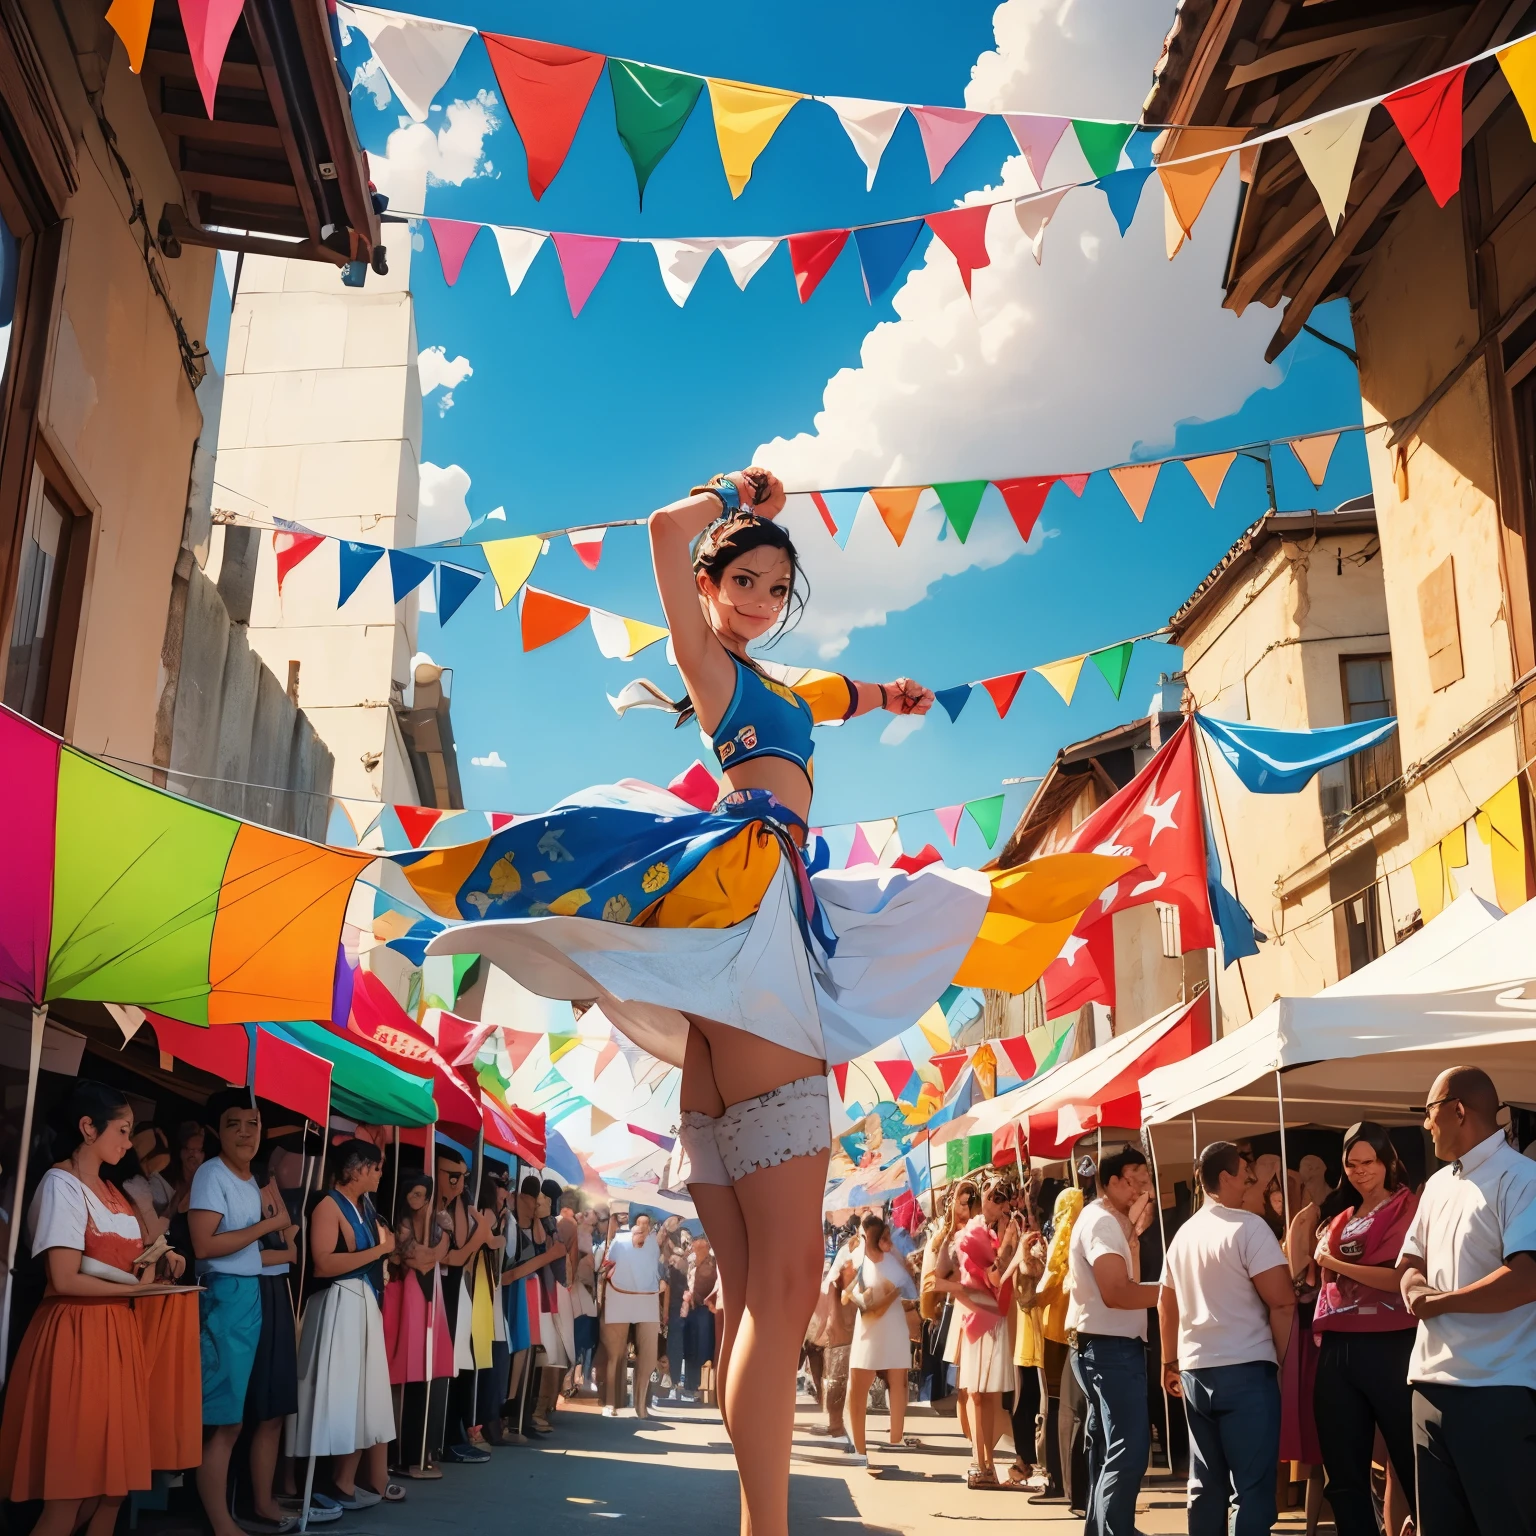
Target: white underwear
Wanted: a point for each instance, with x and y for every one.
(696, 1157)
(792, 1121)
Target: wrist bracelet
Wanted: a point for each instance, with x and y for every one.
(728, 492)
(885, 703)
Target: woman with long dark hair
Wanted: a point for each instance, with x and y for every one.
(718, 941)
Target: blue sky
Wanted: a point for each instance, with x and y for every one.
(1106, 352)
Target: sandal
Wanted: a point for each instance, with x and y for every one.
(976, 1478)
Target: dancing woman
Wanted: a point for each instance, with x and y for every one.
(708, 939)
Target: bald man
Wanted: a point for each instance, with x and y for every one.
(1468, 1273)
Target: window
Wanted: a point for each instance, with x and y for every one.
(1362, 928)
(1367, 691)
(1441, 625)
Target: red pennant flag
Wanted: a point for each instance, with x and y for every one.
(812, 256)
(840, 1077)
(293, 1077)
(454, 238)
(697, 786)
(290, 548)
(910, 863)
(1428, 115)
(546, 87)
(1003, 689)
(500, 819)
(520, 1044)
(1025, 499)
(1075, 483)
(417, 820)
(964, 231)
(897, 1075)
(1084, 972)
(950, 1065)
(546, 617)
(1020, 1057)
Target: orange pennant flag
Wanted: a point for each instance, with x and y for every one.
(546, 617)
(1188, 185)
(1314, 454)
(1136, 482)
(1209, 471)
(896, 504)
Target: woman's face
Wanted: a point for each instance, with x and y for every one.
(1365, 1170)
(192, 1156)
(752, 593)
(416, 1197)
(993, 1208)
(962, 1205)
(109, 1142)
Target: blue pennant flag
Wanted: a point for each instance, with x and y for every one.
(883, 248)
(407, 572)
(1123, 189)
(843, 506)
(454, 584)
(413, 945)
(355, 563)
(917, 1178)
(953, 700)
(1273, 762)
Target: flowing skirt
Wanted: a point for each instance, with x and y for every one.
(985, 1364)
(77, 1409)
(168, 1326)
(557, 1330)
(344, 1378)
(405, 1331)
(881, 1343)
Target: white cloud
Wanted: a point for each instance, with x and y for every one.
(900, 728)
(493, 761)
(441, 511)
(1015, 381)
(417, 156)
(437, 371)
(372, 78)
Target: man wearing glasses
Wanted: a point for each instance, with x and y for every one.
(1468, 1274)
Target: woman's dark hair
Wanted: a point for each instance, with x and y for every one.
(1379, 1140)
(91, 1101)
(876, 1224)
(352, 1155)
(219, 1104)
(185, 1134)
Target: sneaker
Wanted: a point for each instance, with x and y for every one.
(609, 1411)
(321, 1509)
(361, 1498)
(465, 1454)
(687, 1397)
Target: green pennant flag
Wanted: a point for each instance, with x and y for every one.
(1062, 1049)
(464, 964)
(650, 106)
(960, 500)
(1101, 143)
(988, 816)
(1114, 661)
(966, 1154)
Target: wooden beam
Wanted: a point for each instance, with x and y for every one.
(178, 67)
(218, 131)
(1438, 23)
(275, 194)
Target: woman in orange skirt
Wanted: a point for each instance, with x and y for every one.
(76, 1428)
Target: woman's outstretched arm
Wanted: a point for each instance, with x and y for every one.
(901, 697)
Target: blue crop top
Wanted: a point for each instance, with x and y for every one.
(768, 718)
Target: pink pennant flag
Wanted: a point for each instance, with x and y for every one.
(588, 545)
(454, 238)
(1037, 138)
(944, 130)
(583, 260)
(208, 25)
(500, 819)
(1075, 483)
(697, 786)
(949, 818)
(861, 852)
(609, 1051)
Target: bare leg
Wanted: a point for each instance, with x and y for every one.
(213, 1477)
(264, 1444)
(616, 1347)
(858, 1405)
(986, 1408)
(963, 1414)
(59, 1517)
(375, 1468)
(645, 1363)
(104, 1517)
(896, 1382)
(344, 1473)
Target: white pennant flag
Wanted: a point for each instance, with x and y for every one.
(745, 257)
(878, 833)
(681, 261)
(1034, 213)
(416, 55)
(518, 247)
(869, 124)
(1328, 151)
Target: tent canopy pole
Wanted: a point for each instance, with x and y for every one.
(18, 1203)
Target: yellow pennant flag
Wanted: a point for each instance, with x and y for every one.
(130, 20)
(1518, 64)
(621, 639)
(746, 117)
(935, 1028)
(1137, 482)
(1063, 675)
(1209, 471)
(512, 562)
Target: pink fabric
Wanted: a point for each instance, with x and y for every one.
(1298, 1377)
(1346, 1306)
(405, 1332)
(949, 818)
(454, 238)
(29, 780)
(583, 260)
(861, 852)
(1037, 138)
(944, 130)
(208, 25)
(976, 1249)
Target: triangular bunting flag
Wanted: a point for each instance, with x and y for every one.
(869, 124)
(961, 500)
(1034, 213)
(839, 511)
(746, 118)
(745, 256)
(964, 232)
(1428, 115)
(1190, 184)
(130, 20)
(416, 55)
(1173, 236)
(949, 818)
(1063, 675)
(588, 545)
(1328, 151)
(454, 584)
(1076, 483)
(883, 248)
(500, 819)
(583, 260)
(897, 1075)
(546, 617)
(1209, 471)
(1313, 453)
(953, 701)
(520, 1044)
(812, 255)
(1114, 661)
(988, 816)
(950, 1065)
(601, 1121)
(944, 130)
(407, 572)
(1002, 690)
(416, 821)
(208, 25)
(1037, 138)
(1025, 498)
(454, 238)
(361, 815)
(650, 106)
(1020, 1057)
(518, 248)
(621, 639)
(1123, 189)
(291, 549)
(512, 562)
(896, 505)
(681, 261)
(1101, 144)
(911, 863)
(546, 87)
(878, 833)
(354, 561)
(1137, 482)
(840, 1077)
(860, 852)
(1518, 64)
(697, 785)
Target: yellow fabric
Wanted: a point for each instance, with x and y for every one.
(1519, 66)
(482, 1317)
(1028, 1335)
(1030, 915)
(1453, 856)
(829, 694)
(1063, 676)
(1051, 1290)
(1501, 825)
(935, 1028)
(746, 117)
(726, 886)
(1429, 883)
(511, 562)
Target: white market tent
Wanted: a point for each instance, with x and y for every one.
(1461, 991)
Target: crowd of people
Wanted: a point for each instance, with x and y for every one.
(220, 1306)
(1348, 1325)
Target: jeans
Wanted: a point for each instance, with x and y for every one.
(1234, 1447)
(1113, 1375)
(1475, 1452)
(697, 1332)
(1362, 1385)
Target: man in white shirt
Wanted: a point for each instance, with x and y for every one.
(1468, 1270)
(1107, 1323)
(632, 1299)
(1226, 1311)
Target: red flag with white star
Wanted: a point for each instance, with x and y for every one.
(1156, 818)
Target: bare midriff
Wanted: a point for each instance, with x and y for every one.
(781, 778)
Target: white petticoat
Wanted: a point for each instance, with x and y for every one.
(345, 1402)
(900, 940)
